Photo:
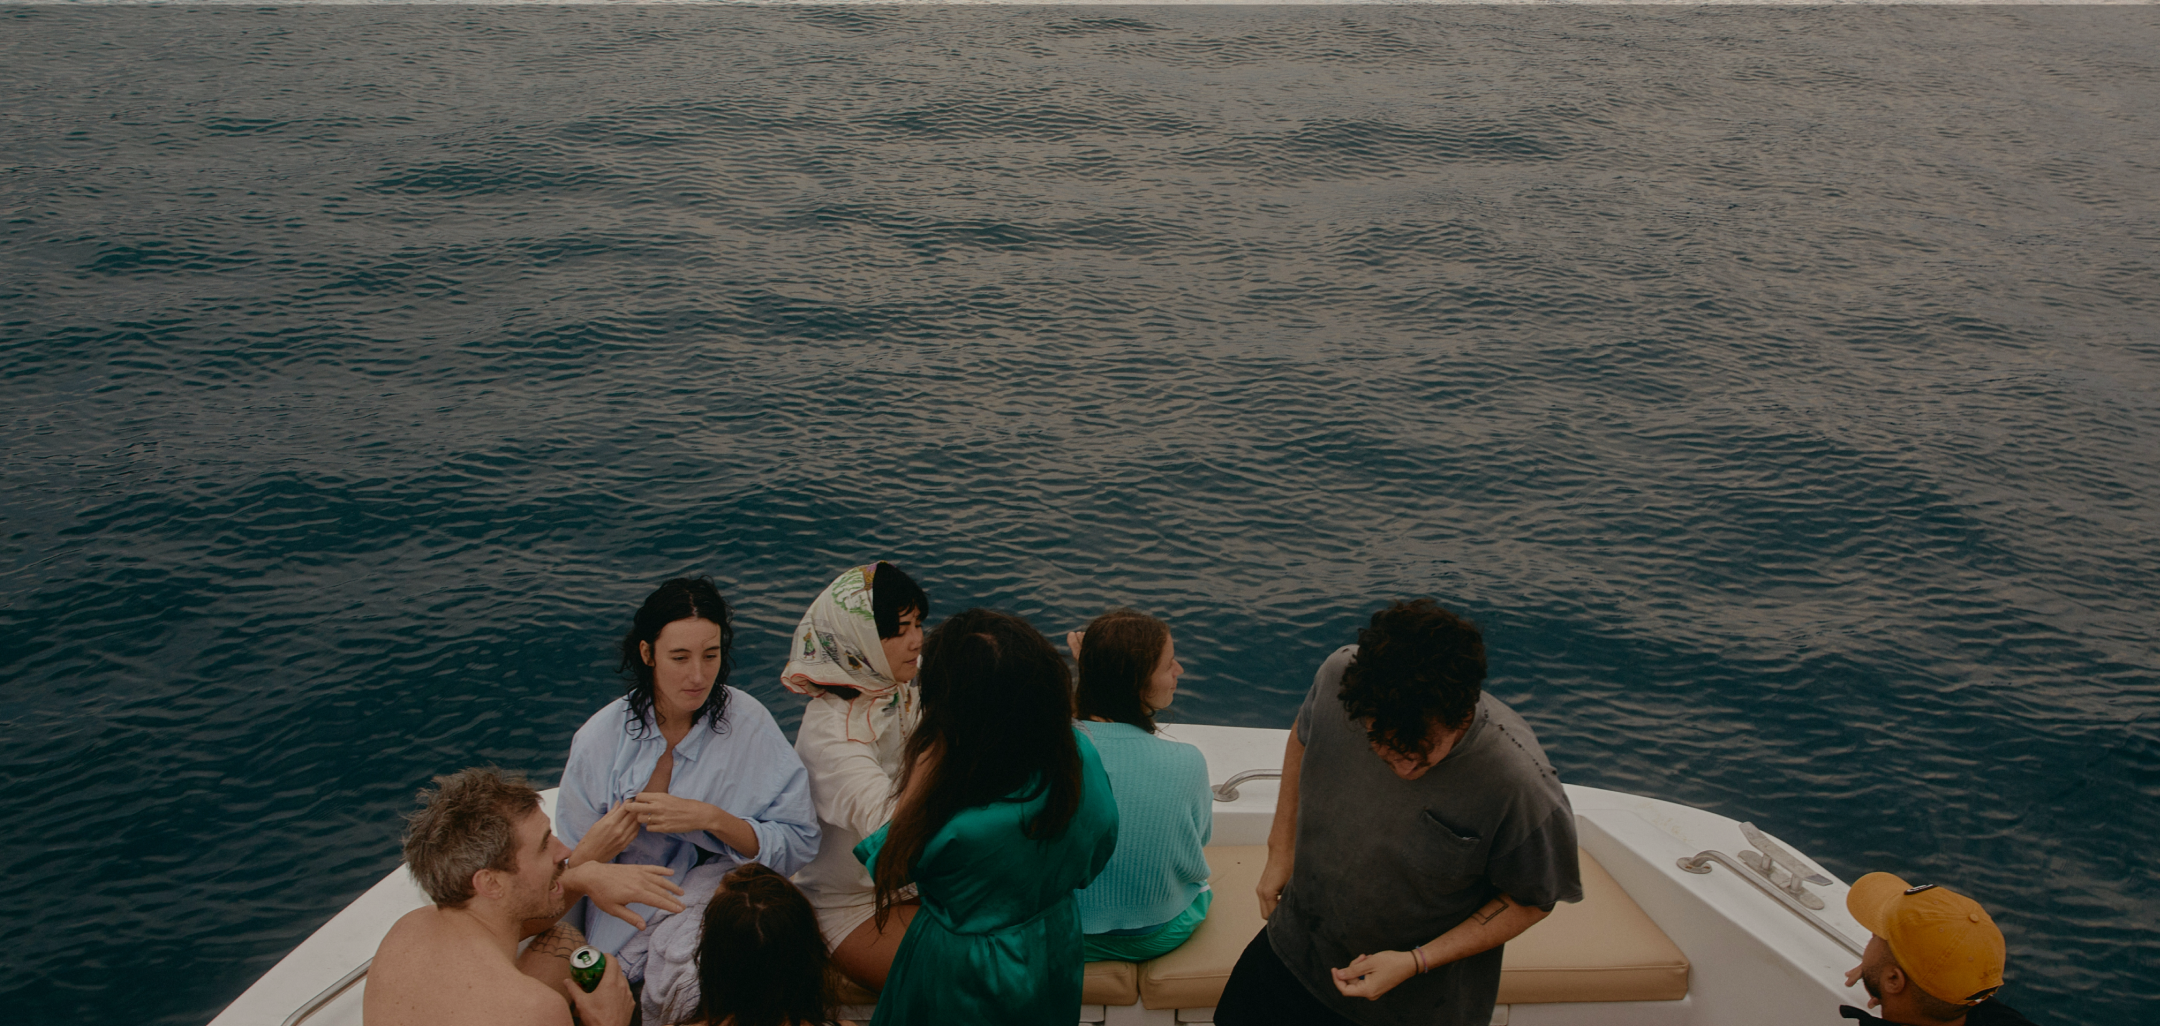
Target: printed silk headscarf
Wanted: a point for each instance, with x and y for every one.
(837, 645)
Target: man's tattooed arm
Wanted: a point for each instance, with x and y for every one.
(1493, 909)
(561, 940)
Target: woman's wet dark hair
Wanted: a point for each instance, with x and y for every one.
(893, 592)
(1117, 666)
(680, 599)
(1416, 666)
(761, 960)
(997, 722)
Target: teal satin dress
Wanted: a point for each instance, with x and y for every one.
(998, 937)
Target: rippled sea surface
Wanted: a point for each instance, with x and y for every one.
(1780, 388)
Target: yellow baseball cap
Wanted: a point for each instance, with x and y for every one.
(1944, 940)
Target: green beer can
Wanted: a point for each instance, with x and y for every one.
(587, 965)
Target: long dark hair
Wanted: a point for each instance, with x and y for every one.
(683, 598)
(761, 960)
(1117, 665)
(996, 719)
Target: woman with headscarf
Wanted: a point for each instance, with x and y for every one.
(855, 654)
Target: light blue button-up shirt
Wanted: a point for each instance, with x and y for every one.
(747, 768)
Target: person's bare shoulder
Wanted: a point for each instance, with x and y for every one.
(533, 1004)
(428, 973)
(405, 970)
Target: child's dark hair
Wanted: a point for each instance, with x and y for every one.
(1117, 664)
(761, 960)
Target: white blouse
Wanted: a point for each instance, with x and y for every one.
(851, 784)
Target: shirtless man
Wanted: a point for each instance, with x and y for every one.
(483, 850)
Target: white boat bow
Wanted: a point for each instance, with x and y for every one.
(1690, 919)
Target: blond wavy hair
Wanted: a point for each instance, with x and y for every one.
(466, 824)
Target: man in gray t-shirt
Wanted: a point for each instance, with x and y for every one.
(1420, 827)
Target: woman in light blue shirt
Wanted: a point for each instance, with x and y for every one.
(1154, 893)
(683, 772)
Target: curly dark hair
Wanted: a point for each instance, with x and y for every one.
(1417, 665)
(682, 598)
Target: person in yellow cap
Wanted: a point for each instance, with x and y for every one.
(1936, 958)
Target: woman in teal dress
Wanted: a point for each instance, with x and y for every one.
(1004, 811)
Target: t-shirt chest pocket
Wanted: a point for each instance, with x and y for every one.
(1453, 856)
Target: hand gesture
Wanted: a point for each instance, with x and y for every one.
(612, 888)
(673, 814)
(1273, 878)
(608, 837)
(1852, 976)
(609, 1004)
(1369, 976)
(1072, 641)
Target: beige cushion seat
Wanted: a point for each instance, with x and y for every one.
(1193, 975)
(1111, 983)
(1107, 983)
(1602, 948)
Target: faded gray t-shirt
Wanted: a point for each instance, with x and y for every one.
(1385, 864)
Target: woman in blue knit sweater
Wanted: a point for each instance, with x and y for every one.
(1154, 892)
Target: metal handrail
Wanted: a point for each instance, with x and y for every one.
(1227, 790)
(316, 1003)
(1700, 863)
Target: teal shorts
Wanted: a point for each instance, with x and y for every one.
(1139, 947)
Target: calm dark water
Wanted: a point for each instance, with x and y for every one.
(1780, 388)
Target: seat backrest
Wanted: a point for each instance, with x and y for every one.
(1603, 948)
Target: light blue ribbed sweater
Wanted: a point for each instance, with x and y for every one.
(1164, 820)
